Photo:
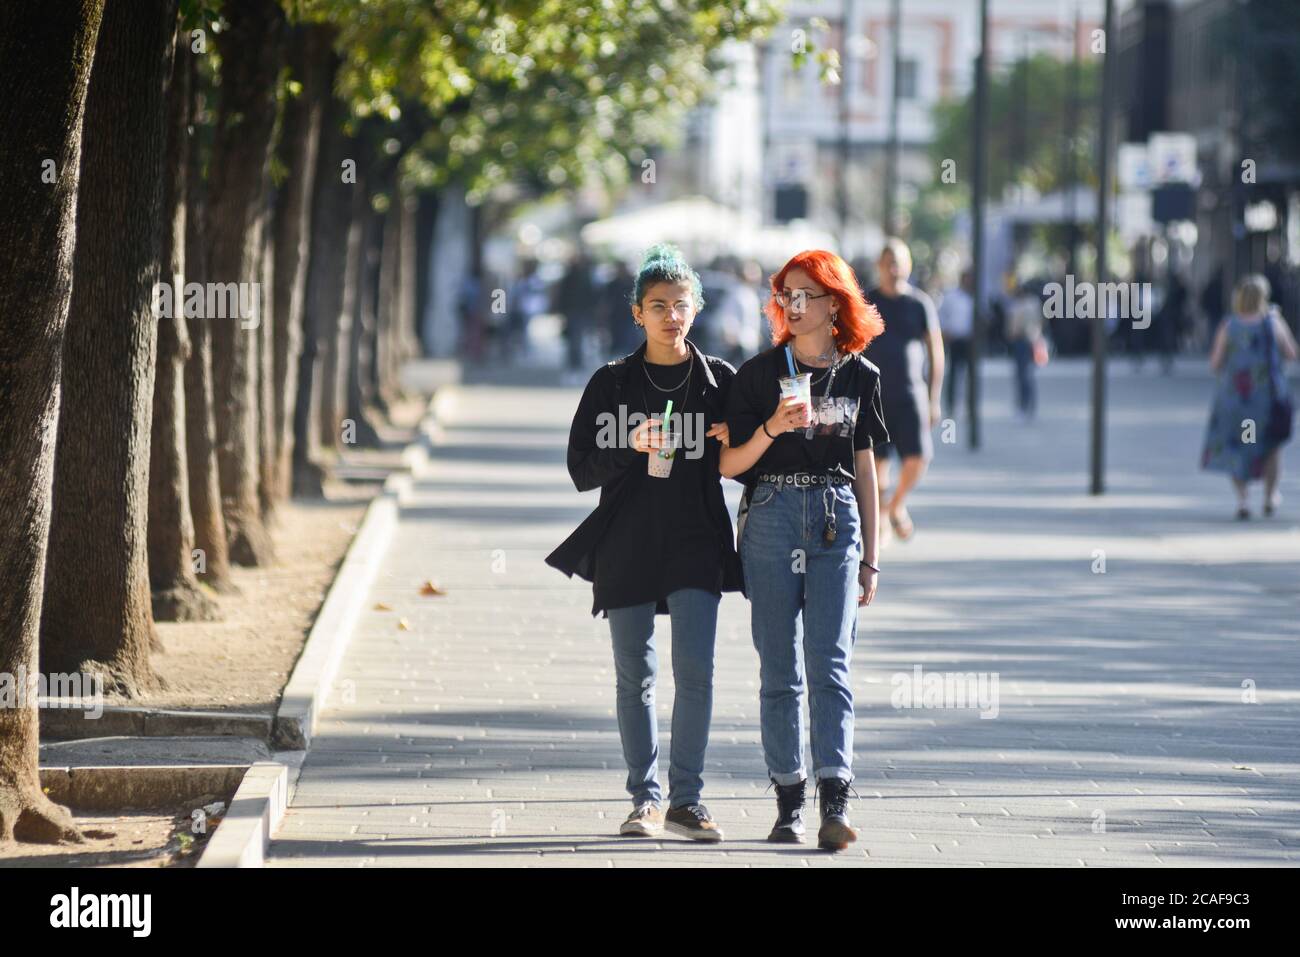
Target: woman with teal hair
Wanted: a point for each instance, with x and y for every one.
(660, 541)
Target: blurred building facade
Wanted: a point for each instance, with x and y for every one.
(825, 146)
(1192, 68)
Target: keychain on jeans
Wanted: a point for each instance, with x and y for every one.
(828, 536)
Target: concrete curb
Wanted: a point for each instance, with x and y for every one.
(138, 787)
(71, 724)
(313, 676)
(243, 835)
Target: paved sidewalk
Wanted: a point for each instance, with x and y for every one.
(485, 735)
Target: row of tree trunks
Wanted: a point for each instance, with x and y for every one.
(46, 53)
(172, 576)
(97, 615)
(145, 452)
(251, 56)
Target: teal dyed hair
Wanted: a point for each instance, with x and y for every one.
(664, 262)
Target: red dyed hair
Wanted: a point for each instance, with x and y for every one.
(858, 322)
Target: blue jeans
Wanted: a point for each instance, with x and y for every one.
(1022, 351)
(804, 606)
(694, 615)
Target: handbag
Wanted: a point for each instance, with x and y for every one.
(1281, 412)
(1040, 351)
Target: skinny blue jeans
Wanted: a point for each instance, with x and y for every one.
(694, 616)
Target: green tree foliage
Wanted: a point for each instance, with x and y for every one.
(551, 93)
(1028, 113)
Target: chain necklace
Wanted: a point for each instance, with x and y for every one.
(685, 395)
(826, 356)
(817, 379)
(690, 367)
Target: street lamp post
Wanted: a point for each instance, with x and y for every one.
(891, 148)
(846, 54)
(977, 228)
(1098, 450)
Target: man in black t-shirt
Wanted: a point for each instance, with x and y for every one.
(911, 343)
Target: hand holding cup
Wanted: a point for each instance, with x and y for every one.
(647, 436)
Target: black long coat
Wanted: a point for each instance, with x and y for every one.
(617, 471)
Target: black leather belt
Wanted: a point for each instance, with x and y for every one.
(802, 479)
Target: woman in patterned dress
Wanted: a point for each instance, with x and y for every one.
(1250, 417)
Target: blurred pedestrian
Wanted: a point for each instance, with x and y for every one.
(1170, 320)
(1024, 333)
(1252, 414)
(526, 300)
(575, 301)
(957, 323)
(616, 315)
(909, 354)
(474, 331)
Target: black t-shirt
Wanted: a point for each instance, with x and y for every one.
(667, 517)
(848, 419)
(899, 352)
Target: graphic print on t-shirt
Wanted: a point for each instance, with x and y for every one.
(834, 416)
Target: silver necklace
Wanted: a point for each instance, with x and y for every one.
(826, 356)
(690, 367)
(816, 380)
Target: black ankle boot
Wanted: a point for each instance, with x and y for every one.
(789, 827)
(836, 833)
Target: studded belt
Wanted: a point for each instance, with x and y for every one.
(802, 479)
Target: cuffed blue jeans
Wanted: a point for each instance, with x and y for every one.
(694, 616)
(803, 597)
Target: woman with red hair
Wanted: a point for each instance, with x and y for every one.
(808, 522)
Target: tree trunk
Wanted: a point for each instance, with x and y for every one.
(360, 345)
(175, 586)
(390, 256)
(334, 397)
(405, 344)
(212, 554)
(309, 59)
(326, 271)
(97, 614)
(266, 269)
(46, 53)
(250, 51)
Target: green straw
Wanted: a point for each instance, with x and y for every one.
(667, 412)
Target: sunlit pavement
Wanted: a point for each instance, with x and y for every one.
(1144, 645)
